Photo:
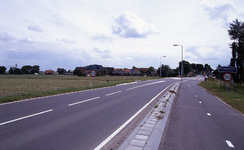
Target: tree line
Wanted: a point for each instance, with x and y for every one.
(190, 69)
(236, 33)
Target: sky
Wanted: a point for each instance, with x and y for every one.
(121, 34)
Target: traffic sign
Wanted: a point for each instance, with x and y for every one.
(93, 73)
(227, 77)
(227, 69)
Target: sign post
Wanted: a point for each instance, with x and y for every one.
(93, 73)
(227, 77)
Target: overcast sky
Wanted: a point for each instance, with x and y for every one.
(115, 33)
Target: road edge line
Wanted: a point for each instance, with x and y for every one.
(128, 121)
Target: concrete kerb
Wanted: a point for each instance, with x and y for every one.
(147, 135)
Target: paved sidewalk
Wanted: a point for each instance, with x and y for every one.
(147, 135)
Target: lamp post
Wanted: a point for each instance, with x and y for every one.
(161, 65)
(182, 68)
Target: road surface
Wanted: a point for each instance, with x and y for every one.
(199, 121)
(79, 120)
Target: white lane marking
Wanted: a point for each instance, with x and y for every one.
(113, 93)
(195, 95)
(144, 85)
(43, 112)
(83, 101)
(200, 102)
(128, 121)
(229, 143)
(208, 114)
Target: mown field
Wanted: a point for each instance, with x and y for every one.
(234, 97)
(17, 87)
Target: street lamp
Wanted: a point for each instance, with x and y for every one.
(161, 65)
(182, 68)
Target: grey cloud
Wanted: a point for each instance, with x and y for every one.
(102, 53)
(47, 55)
(27, 39)
(102, 38)
(129, 25)
(35, 28)
(219, 10)
(4, 36)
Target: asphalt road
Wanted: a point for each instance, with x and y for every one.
(199, 121)
(80, 120)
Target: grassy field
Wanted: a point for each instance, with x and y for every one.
(17, 87)
(234, 97)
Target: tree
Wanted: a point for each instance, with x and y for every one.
(78, 72)
(61, 70)
(26, 69)
(236, 33)
(15, 70)
(197, 68)
(35, 69)
(187, 67)
(2, 69)
(150, 70)
(165, 70)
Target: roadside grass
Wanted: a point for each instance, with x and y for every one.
(234, 97)
(17, 87)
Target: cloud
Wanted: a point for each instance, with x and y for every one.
(128, 58)
(102, 53)
(102, 38)
(65, 40)
(129, 25)
(27, 39)
(4, 36)
(218, 9)
(35, 28)
(207, 55)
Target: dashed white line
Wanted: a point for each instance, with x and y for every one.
(200, 102)
(144, 85)
(83, 101)
(43, 112)
(113, 93)
(195, 95)
(208, 114)
(229, 144)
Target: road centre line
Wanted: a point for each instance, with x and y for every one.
(208, 114)
(113, 93)
(83, 101)
(36, 114)
(144, 85)
(229, 143)
(128, 121)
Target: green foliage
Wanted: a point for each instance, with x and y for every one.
(2, 69)
(26, 69)
(235, 96)
(236, 33)
(165, 70)
(15, 70)
(61, 70)
(35, 69)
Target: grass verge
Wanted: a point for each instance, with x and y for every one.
(18, 87)
(234, 97)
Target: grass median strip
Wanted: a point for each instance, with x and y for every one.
(234, 97)
(18, 87)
